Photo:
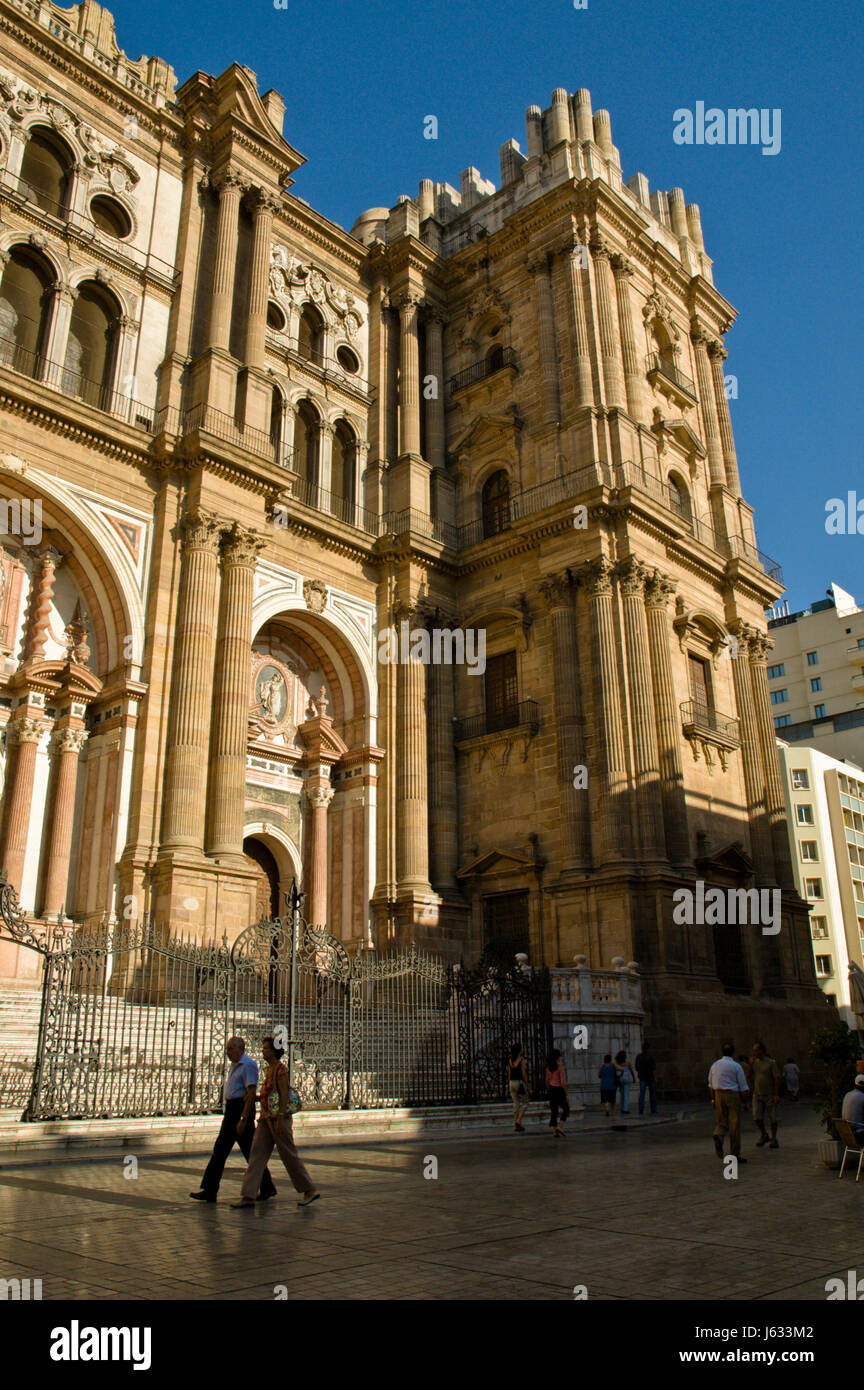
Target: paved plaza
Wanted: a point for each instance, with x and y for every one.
(628, 1214)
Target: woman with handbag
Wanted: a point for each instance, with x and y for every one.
(517, 1080)
(278, 1103)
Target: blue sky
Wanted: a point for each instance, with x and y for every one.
(783, 231)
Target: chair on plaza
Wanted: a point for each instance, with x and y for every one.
(848, 1139)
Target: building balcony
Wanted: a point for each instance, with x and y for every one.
(858, 680)
(709, 733)
(479, 371)
(668, 377)
(75, 387)
(855, 655)
(524, 714)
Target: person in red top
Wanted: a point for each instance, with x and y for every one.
(556, 1085)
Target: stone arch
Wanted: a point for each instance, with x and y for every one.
(283, 849)
(331, 634)
(48, 164)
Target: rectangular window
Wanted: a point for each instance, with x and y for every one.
(816, 683)
(500, 682)
(804, 814)
(775, 672)
(800, 779)
(505, 926)
(819, 712)
(779, 697)
(861, 641)
(812, 658)
(700, 683)
(782, 720)
(813, 889)
(809, 851)
(819, 928)
(824, 966)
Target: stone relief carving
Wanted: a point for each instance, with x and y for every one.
(294, 279)
(100, 155)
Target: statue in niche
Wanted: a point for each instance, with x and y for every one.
(271, 694)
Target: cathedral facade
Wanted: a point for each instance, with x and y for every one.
(240, 445)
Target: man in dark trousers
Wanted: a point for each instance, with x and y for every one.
(645, 1068)
(238, 1124)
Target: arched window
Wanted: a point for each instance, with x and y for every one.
(679, 497)
(345, 463)
(91, 352)
(46, 172)
(494, 359)
(276, 412)
(25, 306)
(307, 437)
(496, 503)
(310, 335)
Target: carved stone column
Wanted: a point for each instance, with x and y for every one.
(642, 714)
(751, 757)
(573, 253)
(39, 610)
(717, 355)
(557, 591)
(610, 348)
(633, 370)
(774, 800)
(708, 406)
(659, 588)
(412, 792)
(26, 733)
(231, 694)
(409, 376)
(319, 797)
(230, 187)
(266, 208)
(192, 686)
(443, 797)
(546, 335)
(65, 746)
(435, 404)
(611, 796)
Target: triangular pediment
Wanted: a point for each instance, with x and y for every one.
(731, 859)
(488, 429)
(684, 437)
(496, 861)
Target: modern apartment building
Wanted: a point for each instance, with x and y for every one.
(816, 675)
(825, 799)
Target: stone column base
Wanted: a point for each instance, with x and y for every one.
(194, 894)
(439, 925)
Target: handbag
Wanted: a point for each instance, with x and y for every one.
(294, 1101)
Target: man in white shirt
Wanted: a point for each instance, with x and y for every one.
(238, 1124)
(728, 1086)
(853, 1108)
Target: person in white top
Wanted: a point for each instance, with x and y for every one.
(728, 1086)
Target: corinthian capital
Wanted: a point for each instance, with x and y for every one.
(319, 798)
(25, 730)
(556, 590)
(598, 576)
(631, 574)
(202, 530)
(242, 547)
(68, 740)
(659, 589)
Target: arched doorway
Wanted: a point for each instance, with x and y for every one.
(259, 858)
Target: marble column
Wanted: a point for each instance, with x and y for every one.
(634, 374)
(751, 755)
(558, 595)
(610, 348)
(549, 384)
(230, 187)
(231, 694)
(192, 686)
(775, 806)
(611, 798)
(659, 589)
(435, 404)
(443, 797)
(26, 733)
(65, 746)
(412, 797)
(573, 254)
(708, 405)
(717, 355)
(409, 376)
(39, 609)
(646, 763)
(265, 209)
(318, 798)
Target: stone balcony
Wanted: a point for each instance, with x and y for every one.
(608, 1005)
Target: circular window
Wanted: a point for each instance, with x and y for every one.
(275, 318)
(346, 359)
(111, 217)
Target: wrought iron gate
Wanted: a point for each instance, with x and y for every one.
(134, 1021)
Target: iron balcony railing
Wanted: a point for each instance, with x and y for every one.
(310, 494)
(76, 386)
(328, 369)
(531, 500)
(478, 371)
(658, 363)
(525, 713)
(743, 550)
(700, 719)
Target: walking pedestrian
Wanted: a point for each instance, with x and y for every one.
(766, 1094)
(728, 1086)
(607, 1076)
(238, 1124)
(517, 1080)
(623, 1079)
(556, 1086)
(791, 1078)
(275, 1127)
(646, 1072)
